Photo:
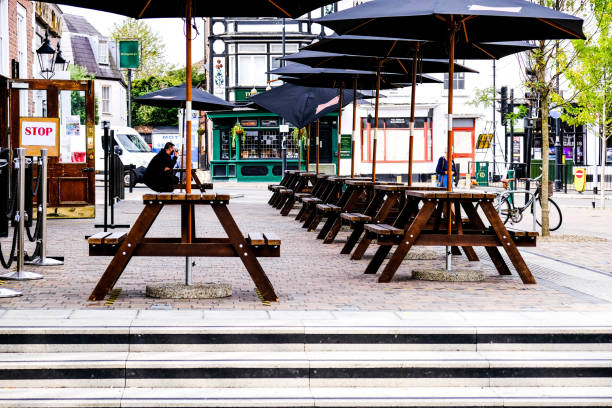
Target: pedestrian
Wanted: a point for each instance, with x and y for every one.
(442, 168)
(159, 175)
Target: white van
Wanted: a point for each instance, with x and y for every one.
(131, 147)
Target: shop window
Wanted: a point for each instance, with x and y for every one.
(227, 152)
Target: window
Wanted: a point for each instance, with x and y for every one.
(103, 52)
(132, 143)
(22, 41)
(4, 59)
(393, 140)
(252, 70)
(106, 92)
(458, 80)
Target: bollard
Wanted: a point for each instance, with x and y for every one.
(42, 260)
(20, 274)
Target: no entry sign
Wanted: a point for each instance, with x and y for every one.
(39, 133)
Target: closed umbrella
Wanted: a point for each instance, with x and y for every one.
(398, 47)
(176, 97)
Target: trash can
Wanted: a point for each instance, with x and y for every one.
(482, 173)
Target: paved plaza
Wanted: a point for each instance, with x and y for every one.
(573, 267)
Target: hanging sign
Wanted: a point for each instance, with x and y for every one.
(39, 133)
(129, 54)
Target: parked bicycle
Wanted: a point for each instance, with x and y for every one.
(509, 210)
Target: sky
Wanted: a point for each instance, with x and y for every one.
(169, 29)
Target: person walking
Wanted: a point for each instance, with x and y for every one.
(159, 175)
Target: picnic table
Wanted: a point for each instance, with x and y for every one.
(124, 246)
(429, 228)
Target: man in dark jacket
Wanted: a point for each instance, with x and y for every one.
(159, 175)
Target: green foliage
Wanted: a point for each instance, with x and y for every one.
(483, 97)
(152, 58)
(77, 99)
(300, 134)
(154, 116)
(520, 114)
(237, 131)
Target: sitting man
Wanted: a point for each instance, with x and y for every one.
(159, 175)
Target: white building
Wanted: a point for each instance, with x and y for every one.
(83, 45)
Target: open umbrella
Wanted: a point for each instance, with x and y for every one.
(198, 8)
(176, 97)
(452, 22)
(301, 105)
(393, 65)
(455, 21)
(398, 47)
(338, 78)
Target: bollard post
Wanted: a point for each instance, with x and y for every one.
(42, 260)
(20, 274)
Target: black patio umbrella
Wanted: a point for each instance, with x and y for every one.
(301, 105)
(325, 77)
(176, 97)
(404, 66)
(398, 47)
(198, 8)
(451, 22)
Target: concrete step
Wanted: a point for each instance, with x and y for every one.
(308, 397)
(306, 369)
(71, 335)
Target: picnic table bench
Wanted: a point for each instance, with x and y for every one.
(429, 228)
(197, 184)
(124, 246)
(320, 193)
(304, 185)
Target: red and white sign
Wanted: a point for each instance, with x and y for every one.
(39, 133)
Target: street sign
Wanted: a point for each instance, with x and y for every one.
(39, 133)
(345, 147)
(129, 54)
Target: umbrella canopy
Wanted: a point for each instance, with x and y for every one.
(301, 105)
(401, 48)
(363, 82)
(319, 59)
(482, 21)
(175, 97)
(201, 8)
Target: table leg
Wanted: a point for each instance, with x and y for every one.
(347, 202)
(247, 256)
(377, 260)
(507, 242)
(469, 251)
(494, 254)
(410, 237)
(126, 250)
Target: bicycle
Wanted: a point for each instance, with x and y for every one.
(508, 210)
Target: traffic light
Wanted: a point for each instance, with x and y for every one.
(504, 103)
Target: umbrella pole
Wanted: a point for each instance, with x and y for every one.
(412, 109)
(353, 130)
(341, 96)
(308, 150)
(299, 152)
(187, 224)
(449, 141)
(317, 140)
(376, 120)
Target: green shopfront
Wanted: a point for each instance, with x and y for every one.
(254, 153)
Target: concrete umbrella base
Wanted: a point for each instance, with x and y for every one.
(182, 291)
(442, 275)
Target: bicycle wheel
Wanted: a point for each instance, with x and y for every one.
(554, 214)
(504, 209)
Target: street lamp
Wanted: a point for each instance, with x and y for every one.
(46, 58)
(60, 61)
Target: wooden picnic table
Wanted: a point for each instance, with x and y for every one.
(428, 229)
(123, 247)
(197, 184)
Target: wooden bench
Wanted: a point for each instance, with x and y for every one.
(124, 246)
(196, 185)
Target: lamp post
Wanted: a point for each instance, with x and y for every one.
(46, 58)
(556, 115)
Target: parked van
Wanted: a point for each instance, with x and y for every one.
(131, 148)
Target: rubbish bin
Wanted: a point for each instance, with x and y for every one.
(482, 173)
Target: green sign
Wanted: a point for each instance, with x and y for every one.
(345, 147)
(243, 94)
(129, 54)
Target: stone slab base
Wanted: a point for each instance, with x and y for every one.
(456, 275)
(182, 291)
(418, 254)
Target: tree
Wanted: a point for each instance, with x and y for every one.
(592, 81)
(154, 116)
(77, 100)
(546, 64)
(152, 61)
